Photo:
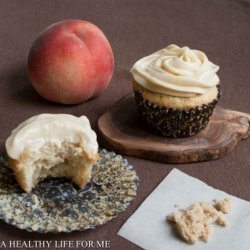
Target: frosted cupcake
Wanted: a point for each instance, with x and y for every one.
(176, 90)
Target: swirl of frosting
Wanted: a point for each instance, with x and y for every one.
(40, 129)
(176, 71)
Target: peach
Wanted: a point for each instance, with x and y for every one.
(70, 62)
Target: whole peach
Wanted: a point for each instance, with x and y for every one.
(70, 62)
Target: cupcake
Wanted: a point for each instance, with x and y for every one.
(52, 145)
(176, 90)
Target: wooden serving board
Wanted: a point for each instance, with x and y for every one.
(123, 131)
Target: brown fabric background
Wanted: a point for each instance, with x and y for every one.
(135, 29)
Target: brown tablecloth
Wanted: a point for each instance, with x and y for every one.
(135, 29)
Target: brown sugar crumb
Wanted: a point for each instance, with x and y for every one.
(195, 223)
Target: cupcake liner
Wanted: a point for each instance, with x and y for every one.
(56, 205)
(171, 122)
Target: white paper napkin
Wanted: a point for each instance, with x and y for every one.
(148, 228)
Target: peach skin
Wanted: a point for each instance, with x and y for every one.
(70, 62)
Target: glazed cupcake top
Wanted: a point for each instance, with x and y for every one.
(176, 71)
(53, 128)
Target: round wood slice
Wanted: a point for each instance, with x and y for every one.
(123, 131)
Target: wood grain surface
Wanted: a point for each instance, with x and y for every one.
(123, 131)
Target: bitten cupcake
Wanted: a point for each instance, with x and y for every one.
(176, 90)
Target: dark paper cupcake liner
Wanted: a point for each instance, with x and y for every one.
(56, 205)
(171, 122)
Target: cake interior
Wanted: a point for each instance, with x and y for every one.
(65, 160)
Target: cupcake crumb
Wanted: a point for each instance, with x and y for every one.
(223, 205)
(195, 223)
